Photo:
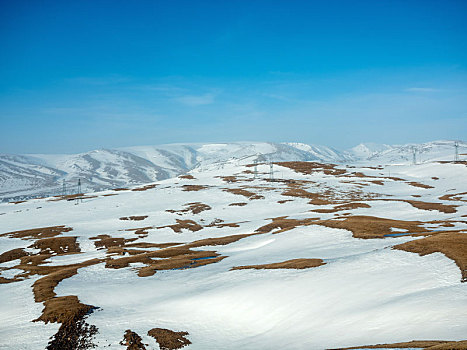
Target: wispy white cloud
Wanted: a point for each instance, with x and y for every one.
(196, 100)
(422, 89)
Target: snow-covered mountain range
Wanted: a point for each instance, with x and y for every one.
(24, 176)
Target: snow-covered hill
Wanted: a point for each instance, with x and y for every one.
(228, 259)
(25, 176)
(403, 154)
(43, 174)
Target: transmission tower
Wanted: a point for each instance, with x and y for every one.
(271, 170)
(64, 189)
(456, 148)
(256, 168)
(414, 154)
(79, 198)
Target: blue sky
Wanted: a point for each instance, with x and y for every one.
(81, 75)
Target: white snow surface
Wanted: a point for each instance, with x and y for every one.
(366, 293)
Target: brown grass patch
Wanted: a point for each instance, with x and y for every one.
(217, 240)
(43, 288)
(242, 192)
(187, 177)
(17, 202)
(315, 198)
(309, 168)
(418, 184)
(451, 244)
(141, 231)
(454, 197)
(134, 218)
(145, 188)
(424, 344)
(62, 309)
(377, 182)
(57, 245)
(284, 224)
(195, 208)
(192, 188)
(38, 233)
(289, 264)
(132, 341)
(371, 226)
(347, 206)
(120, 189)
(12, 255)
(169, 340)
(433, 206)
(239, 204)
(109, 194)
(106, 241)
(184, 224)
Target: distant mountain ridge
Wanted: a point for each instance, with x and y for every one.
(25, 176)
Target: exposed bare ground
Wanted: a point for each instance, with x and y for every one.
(132, 341)
(284, 224)
(243, 192)
(418, 184)
(371, 226)
(187, 177)
(184, 224)
(12, 255)
(289, 264)
(62, 309)
(424, 344)
(451, 244)
(191, 188)
(169, 340)
(217, 240)
(134, 218)
(239, 204)
(44, 287)
(454, 197)
(195, 208)
(309, 168)
(348, 206)
(37, 233)
(106, 241)
(145, 188)
(445, 208)
(57, 245)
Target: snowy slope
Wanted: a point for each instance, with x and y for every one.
(43, 174)
(375, 293)
(403, 154)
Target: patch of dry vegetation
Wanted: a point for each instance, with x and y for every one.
(132, 341)
(451, 244)
(423, 344)
(238, 204)
(145, 188)
(187, 177)
(454, 197)
(192, 188)
(57, 245)
(134, 218)
(433, 206)
(309, 168)
(195, 208)
(12, 255)
(347, 206)
(289, 264)
(420, 185)
(184, 224)
(243, 192)
(38, 233)
(371, 226)
(169, 340)
(283, 224)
